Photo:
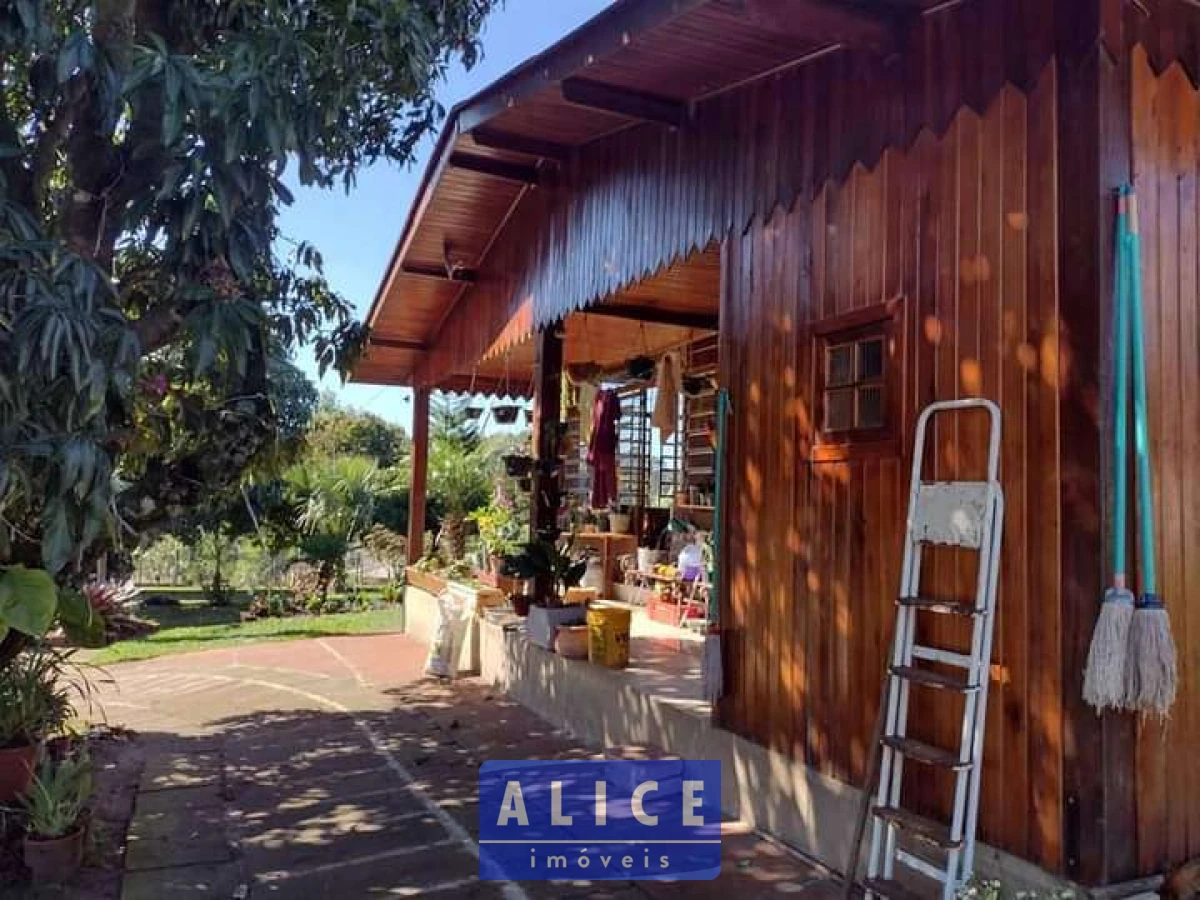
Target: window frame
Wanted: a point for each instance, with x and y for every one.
(855, 327)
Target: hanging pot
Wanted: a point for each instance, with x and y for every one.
(474, 412)
(516, 465)
(695, 385)
(505, 414)
(640, 368)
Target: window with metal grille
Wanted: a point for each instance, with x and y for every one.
(855, 369)
(854, 384)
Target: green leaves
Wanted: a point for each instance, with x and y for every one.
(76, 56)
(83, 626)
(28, 600)
(142, 281)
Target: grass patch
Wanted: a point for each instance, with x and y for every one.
(188, 628)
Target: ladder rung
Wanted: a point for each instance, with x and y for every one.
(929, 678)
(932, 604)
(925, 753)
(890, 889)
(921, 828)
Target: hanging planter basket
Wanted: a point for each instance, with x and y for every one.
(474, 412)
(640, 368)
(695, 385)
(517, 466)
(505, 414)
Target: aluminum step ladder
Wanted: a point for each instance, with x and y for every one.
(967, 514)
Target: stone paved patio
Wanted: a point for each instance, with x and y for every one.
(329, 768)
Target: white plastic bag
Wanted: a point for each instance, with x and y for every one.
(442, 661)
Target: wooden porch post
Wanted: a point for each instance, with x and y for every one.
(1094, 159)
(420, 469)
(543, 511)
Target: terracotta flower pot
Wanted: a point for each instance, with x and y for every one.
(54, 860)
(16, 771)
(571, 641)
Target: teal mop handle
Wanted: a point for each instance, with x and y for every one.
(1120, 390)
(1141, 416)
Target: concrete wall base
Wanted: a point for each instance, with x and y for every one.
(771, 792)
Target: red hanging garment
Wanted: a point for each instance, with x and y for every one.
(602, 448)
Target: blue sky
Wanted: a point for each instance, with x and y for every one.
(356, 233)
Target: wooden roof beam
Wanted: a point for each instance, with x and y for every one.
(657, 316)
(440, 273)
(625, 102)
(848, 22)
(518, 143)
(496, 168)
(389, 343)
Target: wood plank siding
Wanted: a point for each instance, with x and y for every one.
(961, 229)
(1166, 165)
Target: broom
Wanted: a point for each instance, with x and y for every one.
(1104, 676)
(1150, 681)
(713, 677)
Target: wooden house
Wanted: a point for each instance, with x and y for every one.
(935, 179)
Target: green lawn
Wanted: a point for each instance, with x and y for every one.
(191, 627)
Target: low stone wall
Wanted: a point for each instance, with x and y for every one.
(768, 790)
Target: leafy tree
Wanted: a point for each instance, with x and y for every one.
(143, 147)
(387, 546)
(450, 422)
(337, 431)
(211, 530)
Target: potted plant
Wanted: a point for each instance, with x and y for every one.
(618, 519)
(34, 703)
(556, 563)
(500, 532)
(56, 806)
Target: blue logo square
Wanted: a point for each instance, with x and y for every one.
(593, 820)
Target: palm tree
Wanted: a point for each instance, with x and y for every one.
(336, 500)
(460, 483)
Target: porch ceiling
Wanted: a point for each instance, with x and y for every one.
(639, 60)
(616, 330)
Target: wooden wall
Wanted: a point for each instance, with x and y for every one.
(963, 228)
(1166, 165)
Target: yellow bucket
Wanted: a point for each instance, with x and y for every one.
(608, 636)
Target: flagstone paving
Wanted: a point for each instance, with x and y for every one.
(331, 769)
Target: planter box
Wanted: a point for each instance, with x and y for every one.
(431, 582)
(542, 624)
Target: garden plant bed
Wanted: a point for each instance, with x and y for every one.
(117, 758)
(430, 582)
